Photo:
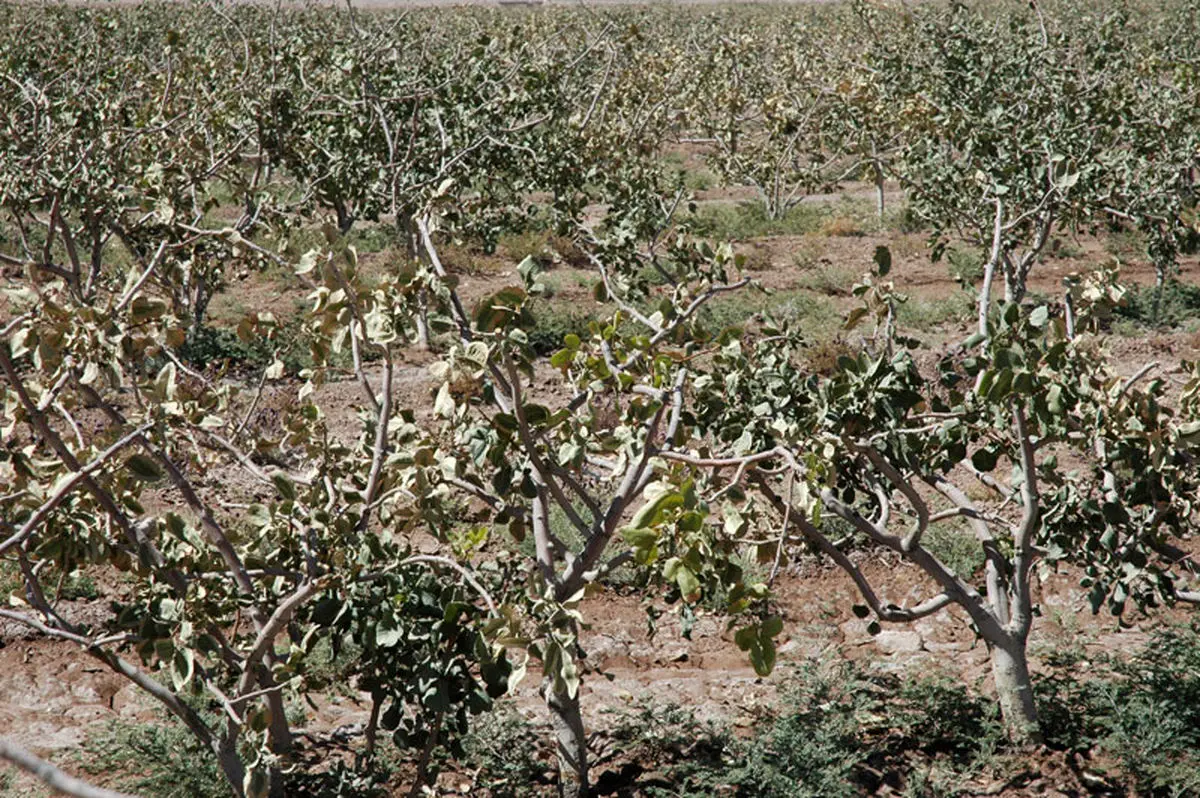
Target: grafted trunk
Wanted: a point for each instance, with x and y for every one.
(1014, 287)
(422, 320)
(570, 743)
(1014, 691)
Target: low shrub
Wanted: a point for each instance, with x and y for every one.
(552, 322)
(1178, 303)
(956, 547)
(507, 751)
(153, 759)
(965, 265)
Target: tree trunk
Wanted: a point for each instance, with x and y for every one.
(422, 320)
(1014, 690)
(345, 219)
(231, 765)
(372, 730)
(1160, 280)
(422, 776)
(1013, 290)
(879, 202)
(412, 245)
(984, 303)
(570, 743)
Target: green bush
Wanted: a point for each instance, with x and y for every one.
(839, 731)
(730, 221)
(938, 716)
(373, 238)
(965, 265)
(815, 315)
(79, 587)
(1151, 717)
(1141, 716)
(1179, 302)
(161, 760)
(507, 751)
(216, 347)
(923, 315)
(956, 547)
(552, 322)
(211, 346)
(339, 780)
(814, 748)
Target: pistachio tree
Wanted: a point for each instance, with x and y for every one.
(585, 454)
(1006, 129)
(118, 456)
(765, 103)
(1073, 462)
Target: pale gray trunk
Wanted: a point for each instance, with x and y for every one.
(985, 296)
(570, 743)
(879, 203)
(231, 765)
(422, 319)
(1014, 291)
(1014, 690)
(1160, 279)
(412, 245)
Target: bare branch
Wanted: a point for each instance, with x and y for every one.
(51, 776)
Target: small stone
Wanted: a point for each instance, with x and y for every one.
(898, 642)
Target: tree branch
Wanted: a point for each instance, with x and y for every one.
(51, 776)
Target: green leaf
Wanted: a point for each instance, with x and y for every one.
(662, 498)
(285, 486)
(144, 468)
(689, 584)
(640, 538)
(883, 260)
(444, 405)
(854, 317)
(762, 656)
(772, 626)
(984, 460)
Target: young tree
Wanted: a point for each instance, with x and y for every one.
(765, 104)
(1008, 131)
(521, 457)
(1083, 466)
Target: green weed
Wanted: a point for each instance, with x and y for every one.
(828, 280)
(508, 753)
(955, 547)
(924, 315)
(153, 759)
(552, 322)
(965, 265)
(1179, 303)
(750, 220)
